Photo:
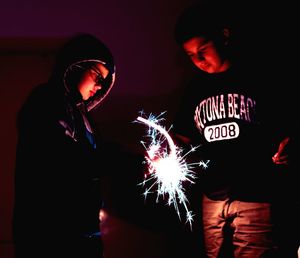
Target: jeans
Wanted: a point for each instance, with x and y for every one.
(237, 229)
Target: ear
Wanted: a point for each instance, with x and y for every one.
(226, 34)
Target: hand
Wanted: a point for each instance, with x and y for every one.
(181, 140)
(281, 156)
(152, 160)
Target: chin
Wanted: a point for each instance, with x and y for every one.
(207, 69)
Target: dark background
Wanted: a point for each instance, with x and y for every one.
(149, 71)
(150, 74)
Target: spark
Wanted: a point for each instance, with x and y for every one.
(167, 166)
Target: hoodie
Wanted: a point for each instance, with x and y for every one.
(58, 166)
(81, 50)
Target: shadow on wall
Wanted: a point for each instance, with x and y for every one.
(24, 63)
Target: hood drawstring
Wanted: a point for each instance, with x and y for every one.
(88, 129)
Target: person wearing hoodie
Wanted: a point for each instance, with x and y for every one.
(58, 162)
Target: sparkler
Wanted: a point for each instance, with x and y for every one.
(167, 166)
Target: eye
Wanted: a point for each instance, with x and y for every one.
(190, 54)
(99, 79)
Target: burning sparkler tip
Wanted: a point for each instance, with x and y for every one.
(167, 166)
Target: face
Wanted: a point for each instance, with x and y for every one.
(204, 54)
(90, 81)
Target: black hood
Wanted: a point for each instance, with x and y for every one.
(82, 49)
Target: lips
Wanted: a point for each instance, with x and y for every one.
(203, 65)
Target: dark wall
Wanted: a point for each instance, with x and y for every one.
(149, 66)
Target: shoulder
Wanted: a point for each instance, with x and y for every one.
(41, 103)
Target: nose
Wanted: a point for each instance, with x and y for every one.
(98, 86)
(200, 56)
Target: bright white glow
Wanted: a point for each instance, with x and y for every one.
(167, 166)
